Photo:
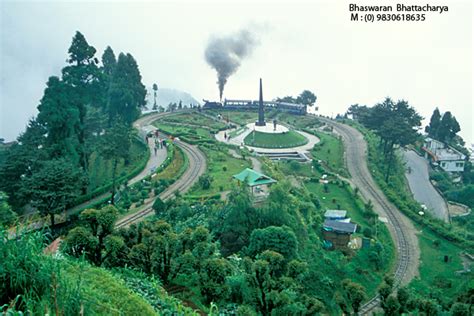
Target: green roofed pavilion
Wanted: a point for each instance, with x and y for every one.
(253, 178)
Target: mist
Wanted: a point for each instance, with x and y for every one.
(310, 46)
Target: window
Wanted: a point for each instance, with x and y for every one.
(443, 164)
(459, 164)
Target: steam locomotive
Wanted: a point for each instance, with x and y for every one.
(249, 105)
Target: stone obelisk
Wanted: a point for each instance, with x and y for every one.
(261, 114)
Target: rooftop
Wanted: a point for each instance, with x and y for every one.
(340, 227)
(335, 214)
(442, 152)
(253, 178)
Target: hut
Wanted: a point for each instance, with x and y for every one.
(338, 233)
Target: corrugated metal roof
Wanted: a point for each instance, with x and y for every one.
(340, 226)
(335, 213)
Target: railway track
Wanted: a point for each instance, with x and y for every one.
(398, 227)
(197, 166)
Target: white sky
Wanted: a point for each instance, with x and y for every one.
(304, 45)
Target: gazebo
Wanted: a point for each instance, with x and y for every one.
(253, 178)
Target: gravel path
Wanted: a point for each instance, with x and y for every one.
(421, 187)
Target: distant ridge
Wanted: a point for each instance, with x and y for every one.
(166, 96)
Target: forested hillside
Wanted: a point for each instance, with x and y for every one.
(82, 140)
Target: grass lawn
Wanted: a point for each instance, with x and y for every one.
(299, 121)
(237, 132)
(188, 134)
(241, 118)
(177, 166)
(331, 151)
(193, 119)
(436, 276)
(221, 166)
(360, 269)
(100, 170)
(282, 140)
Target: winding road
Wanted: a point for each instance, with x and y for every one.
(197, 166)
(401, 229)
(421, 187)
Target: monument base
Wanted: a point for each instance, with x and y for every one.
(257, 123)
(269, 128)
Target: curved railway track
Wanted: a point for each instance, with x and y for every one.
(402, 232)
(197, 166)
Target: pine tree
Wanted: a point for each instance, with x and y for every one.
(127, 93)
(432, 128)
(61, 120)
(83, 77)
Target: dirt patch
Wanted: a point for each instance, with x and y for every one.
(458, 209)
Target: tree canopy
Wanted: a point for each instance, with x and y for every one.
(78, 114)
(443, 127)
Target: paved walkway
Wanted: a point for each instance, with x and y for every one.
(239, 140)
(421, 187)
(154, 161)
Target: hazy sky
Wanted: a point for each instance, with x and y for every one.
(303, 45)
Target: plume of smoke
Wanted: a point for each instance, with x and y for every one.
(225, 54)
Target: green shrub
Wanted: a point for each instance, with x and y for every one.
(205, 181)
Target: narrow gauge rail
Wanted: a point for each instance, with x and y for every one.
(401, 240)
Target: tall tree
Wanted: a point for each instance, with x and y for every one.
(109, 62)
(448, 128)
(396, 123)
(53, 187)
(435, 120)
(116, 147)
(307, 98)
(21, 160)
(83, 77)
(61, 120)
(127, 92)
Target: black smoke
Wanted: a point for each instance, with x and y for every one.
(225, 54)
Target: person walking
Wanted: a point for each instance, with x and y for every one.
(156, 149)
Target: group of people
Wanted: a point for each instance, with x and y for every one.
(159, 143)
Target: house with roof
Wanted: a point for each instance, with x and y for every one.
(254, 179)
(337, 229)
(444, 156)
(337, 233)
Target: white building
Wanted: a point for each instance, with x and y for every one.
(448, 158)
